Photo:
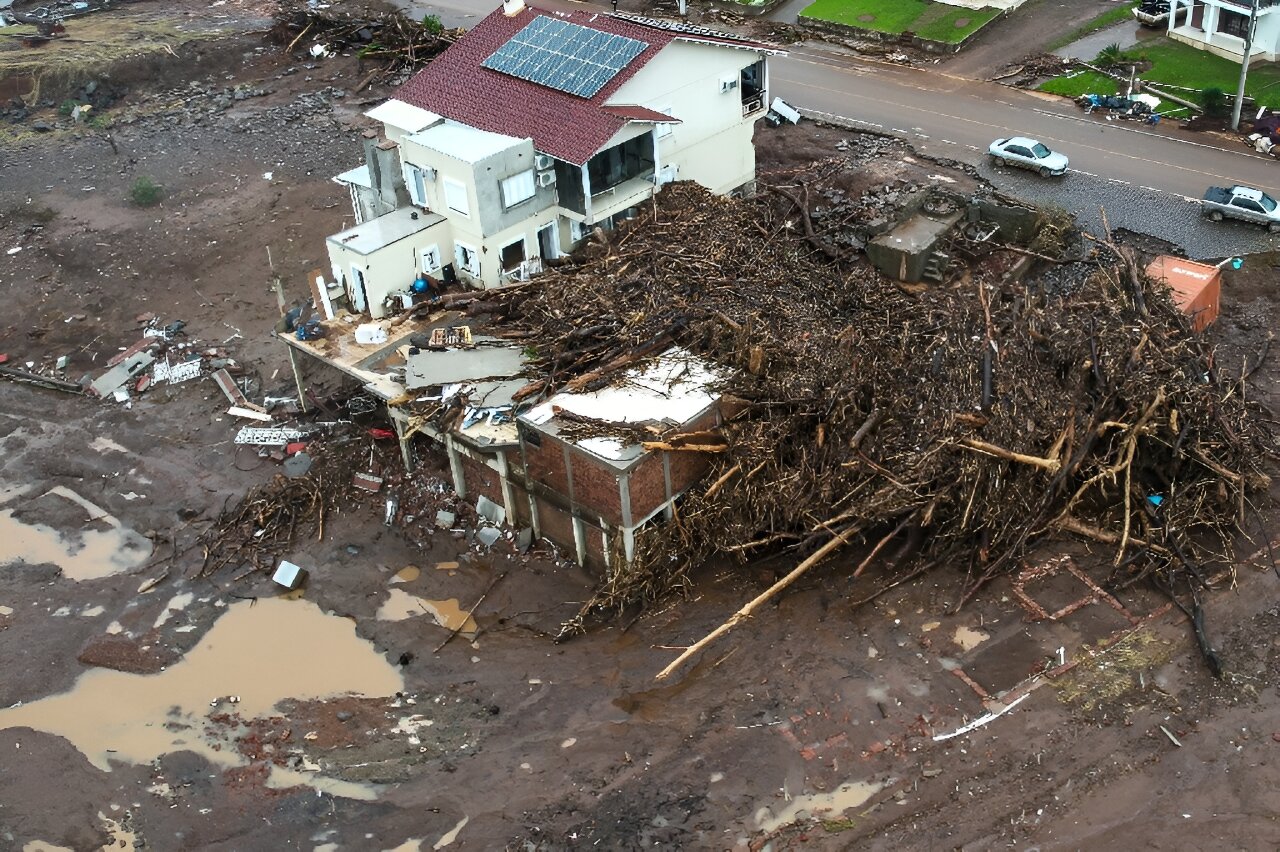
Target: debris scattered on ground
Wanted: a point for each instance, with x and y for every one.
(942, 427)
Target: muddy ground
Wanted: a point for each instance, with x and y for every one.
(147, 708)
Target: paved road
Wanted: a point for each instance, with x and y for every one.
(1145, 179)
(1148, 178)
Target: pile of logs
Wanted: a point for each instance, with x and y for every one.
(390, 40)
(953, 428)
(267, 522)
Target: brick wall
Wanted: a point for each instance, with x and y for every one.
(480, 479)
(647, 484)
(595, 487)
(545, 461)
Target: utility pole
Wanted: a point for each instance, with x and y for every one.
(1244, 65)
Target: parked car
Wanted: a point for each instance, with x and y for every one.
(1028, 154)
(1242, 202)
(1155, 13)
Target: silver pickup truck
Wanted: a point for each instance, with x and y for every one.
(1242, 202)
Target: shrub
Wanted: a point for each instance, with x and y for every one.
(145, 192)
(67, 107)
(1214, 102)
(1110, 55)
(431, 23)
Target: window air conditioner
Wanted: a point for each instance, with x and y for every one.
(728, 84)
(546, 178)
(542, 161)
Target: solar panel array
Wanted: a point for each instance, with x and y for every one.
(564, 56)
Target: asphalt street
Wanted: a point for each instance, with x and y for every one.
(1148, 179)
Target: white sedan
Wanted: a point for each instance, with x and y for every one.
(1028, 154)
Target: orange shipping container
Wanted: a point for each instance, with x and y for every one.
(1197, 287)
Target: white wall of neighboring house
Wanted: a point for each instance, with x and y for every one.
(1210, 36)
(390, 268)
(482, 224)
(712, 142)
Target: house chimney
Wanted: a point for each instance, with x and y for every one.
(511, 8)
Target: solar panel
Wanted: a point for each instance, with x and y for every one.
(564, 56)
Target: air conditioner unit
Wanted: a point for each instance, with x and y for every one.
(728, 84)
(542, 162)
(546, 178)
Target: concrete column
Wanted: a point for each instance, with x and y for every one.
(406, 455)
(297, 379)
(586, 194)
(628, 543)
(579, 540)
(624, 499)
(508, 496)
(455, 466)
(657, 159)
(667, 510)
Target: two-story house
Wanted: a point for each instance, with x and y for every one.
(1220, 26)
(531, 131)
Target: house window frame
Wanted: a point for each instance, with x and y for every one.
(515, 194)
(452, 189)
(415, 181)
(1238, 28)
(432, 251)
(458, 248)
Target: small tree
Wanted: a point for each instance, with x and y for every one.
(145, 192)
(431, 23)
(1214, 102)
(1110, 55)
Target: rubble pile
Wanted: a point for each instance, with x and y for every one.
(949, 427)
(397, 43)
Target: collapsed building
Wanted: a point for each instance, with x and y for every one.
(716, 375)
(531, 132)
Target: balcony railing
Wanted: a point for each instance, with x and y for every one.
(754, 104)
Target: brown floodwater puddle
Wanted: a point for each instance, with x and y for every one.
(831, 805)
(449, 614)
(86, 554)
(407, 574)
(260, 652)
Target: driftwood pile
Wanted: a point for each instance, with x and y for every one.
(390, 40)
(952, 428)
(267, 522)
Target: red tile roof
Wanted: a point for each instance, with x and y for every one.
(455, 85)
(639, 113)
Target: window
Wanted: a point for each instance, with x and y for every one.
(518, 188)
(1246, 204)
(1233, 23)
(664, 130)
(576, 230)
(431, 258)
(455, 196)
(1268, 203)
(415, 182)
(1040, 150)
(467, 259)
(512, 255)
(1018, 151)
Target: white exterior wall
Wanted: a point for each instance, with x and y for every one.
(390, 269)
(712, 142)
(466, 228)
(1266, 35)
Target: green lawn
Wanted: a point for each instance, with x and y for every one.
(1177, 64)
(1082, 83)
(934, 21)
(1106, 19)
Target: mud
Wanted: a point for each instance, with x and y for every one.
(810, 727)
